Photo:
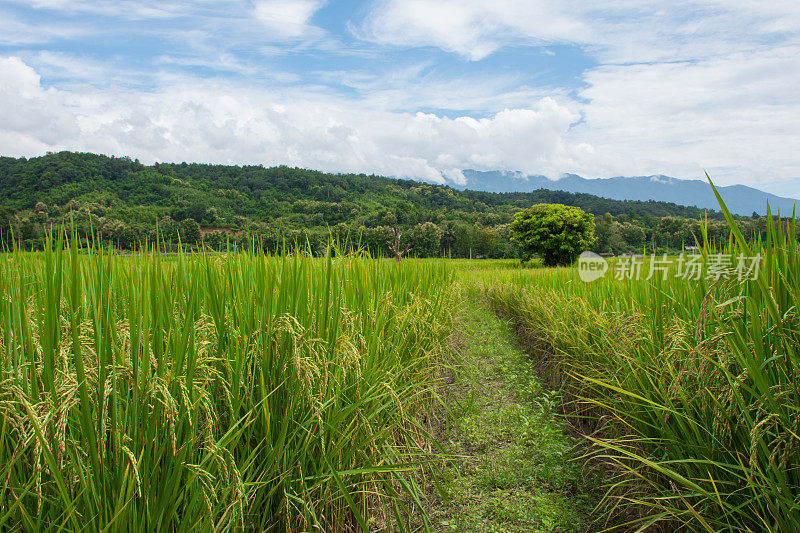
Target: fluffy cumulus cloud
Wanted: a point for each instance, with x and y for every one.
(216, 122)
(34, 118)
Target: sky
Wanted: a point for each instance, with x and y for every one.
(413, 88)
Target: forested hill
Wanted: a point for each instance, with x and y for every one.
(121, 200)
(266, 194)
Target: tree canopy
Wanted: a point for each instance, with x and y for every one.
(558, 233)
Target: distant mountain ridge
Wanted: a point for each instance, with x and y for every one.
(740, 199)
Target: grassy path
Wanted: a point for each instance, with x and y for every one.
(511, 468)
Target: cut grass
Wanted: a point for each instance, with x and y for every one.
(511, 466)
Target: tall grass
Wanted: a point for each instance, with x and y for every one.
(212, 392)
(688, 389)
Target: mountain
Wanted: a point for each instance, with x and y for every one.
(740, 199)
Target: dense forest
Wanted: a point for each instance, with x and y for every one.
(123, 202)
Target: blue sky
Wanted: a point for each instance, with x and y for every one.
(413, 88)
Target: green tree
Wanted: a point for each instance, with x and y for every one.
(32, 234)
(424, 239)
(168, 229)
(376, 240)
(558, 233)
(216, 240)
(9, 225)
(448, 238)
(633, 234)
(608, 235)
(190, 231)
(118, 233)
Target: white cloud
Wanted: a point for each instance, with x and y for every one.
(471, 28)
(734, 116)
(681, 87)
(75, 69)
(420, 86)
(214, 122)
(614, 30)
(180, 25)
(673, 118)
(18, 32)
(126, 9)
(33, 117)
(287, 18)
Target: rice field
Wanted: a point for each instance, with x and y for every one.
(222, 392)
(214, 392)
(687, 390)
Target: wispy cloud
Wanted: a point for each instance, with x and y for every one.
(15, 31)
(616, 31)
(288, 18)
(471, 28)
(128, 9)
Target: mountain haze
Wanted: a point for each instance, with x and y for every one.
(740, 199)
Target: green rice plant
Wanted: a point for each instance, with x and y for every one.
(213, 391)
(687, 389)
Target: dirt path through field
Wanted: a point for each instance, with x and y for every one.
(510, 467)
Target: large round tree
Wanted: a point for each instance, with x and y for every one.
(558, 233)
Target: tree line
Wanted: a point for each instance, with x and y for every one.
(125, 203)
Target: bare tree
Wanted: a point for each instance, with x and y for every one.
(394, 244)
